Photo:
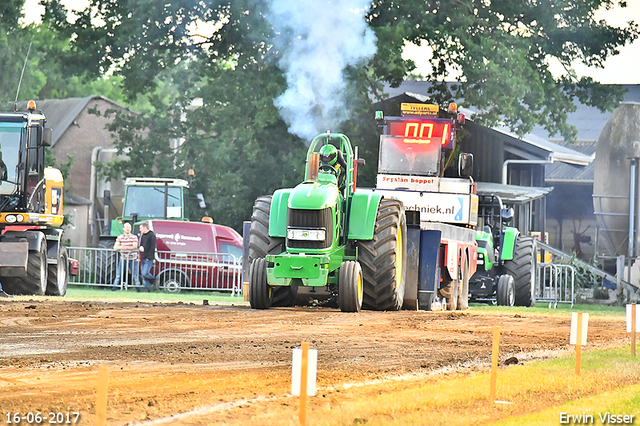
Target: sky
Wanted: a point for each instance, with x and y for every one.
(620, 69)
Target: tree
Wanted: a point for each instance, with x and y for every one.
(239, 144)
(43, 53)
(503, 51)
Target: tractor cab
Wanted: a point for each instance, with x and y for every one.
(330, 160)
(23, 188)
(148, 199)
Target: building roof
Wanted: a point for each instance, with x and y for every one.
(512, 194)
(62, 113)
(569, 158)
(555, 152)
(562, 172)
(589, 121)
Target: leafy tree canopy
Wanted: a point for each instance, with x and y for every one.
(44, 54)
(236, 56)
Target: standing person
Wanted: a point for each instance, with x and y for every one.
(148, 251)
(127, 245)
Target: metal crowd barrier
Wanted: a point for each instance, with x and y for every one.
(556, 284)
(174, 271)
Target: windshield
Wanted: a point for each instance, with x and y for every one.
(9, 155)
(404, 155)
(148, 202)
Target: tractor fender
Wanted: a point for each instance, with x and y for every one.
(33, 236)
(509, 243)
(278, 213)
(362, 215)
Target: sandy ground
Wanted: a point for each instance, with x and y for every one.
(166, 359)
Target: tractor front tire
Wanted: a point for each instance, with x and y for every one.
(350, 287)
(58, 278)
(259, 290)
(261, 244)
(523, 268)
(383, 259)
(506, 293)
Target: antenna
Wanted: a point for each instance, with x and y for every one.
(15, 103)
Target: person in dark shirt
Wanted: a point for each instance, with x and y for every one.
(147, 254)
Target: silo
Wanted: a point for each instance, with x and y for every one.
(618, 144)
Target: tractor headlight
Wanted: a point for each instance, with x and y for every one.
(20, 218)
(10, 218)
(306, 234)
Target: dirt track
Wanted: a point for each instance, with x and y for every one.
(167, 359)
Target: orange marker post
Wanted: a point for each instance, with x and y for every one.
(303, 383)
(494, 363)
(578, 343)
(101, 402)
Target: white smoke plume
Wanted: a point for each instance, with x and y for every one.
(319, 39)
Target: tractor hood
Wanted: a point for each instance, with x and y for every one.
(317, 195)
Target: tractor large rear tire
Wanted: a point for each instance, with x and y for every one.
(523, 268)
(350, 287)
(106, 262)
(261, 244)
(58, 278)
(383, 259)
(35, 280)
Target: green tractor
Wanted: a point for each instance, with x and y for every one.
(324, 236)
(144, 199)
(507, 260)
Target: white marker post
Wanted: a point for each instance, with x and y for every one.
(633, 324)
(303, 376)
(578, 336)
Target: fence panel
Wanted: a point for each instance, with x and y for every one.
(174, 271)
(556, 284)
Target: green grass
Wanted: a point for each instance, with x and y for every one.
(90, 294)
(530, 393)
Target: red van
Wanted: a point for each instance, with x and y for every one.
(196, 255)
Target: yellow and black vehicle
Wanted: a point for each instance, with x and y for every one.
(33, 259)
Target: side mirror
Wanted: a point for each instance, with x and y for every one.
(47, 136)
(465, 164)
